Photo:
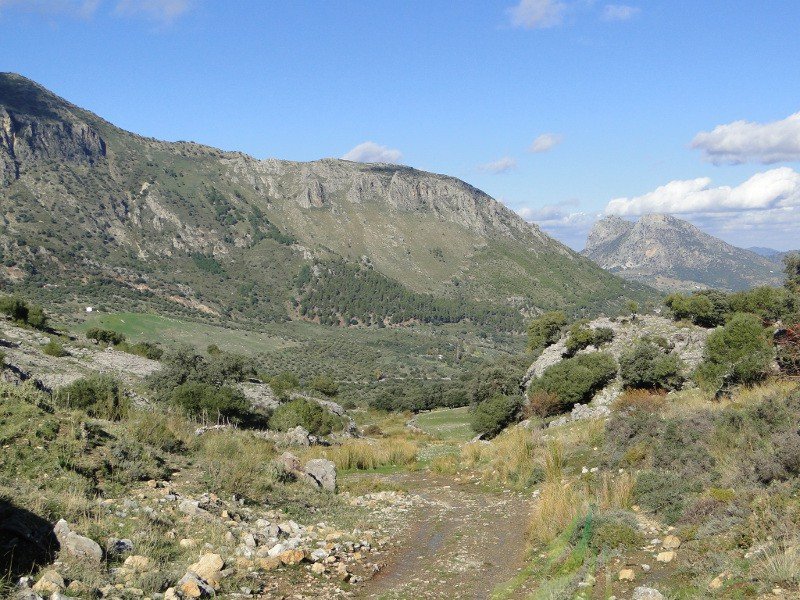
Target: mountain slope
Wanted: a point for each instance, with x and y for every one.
(672, 254)
(92, 213)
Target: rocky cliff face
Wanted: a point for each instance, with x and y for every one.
(672, 254)
(84, 201)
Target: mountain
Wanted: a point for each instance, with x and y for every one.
(95, 214)
(775, 256)
(671, 254)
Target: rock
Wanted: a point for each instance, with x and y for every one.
(666, 557)
(269, 563)
(319, 554)
(193, 587)
(671, 542)
(137, 563)
(318, 568)
(171, 594)
(208, 567)
(79, 589)
(289, 462)
(716, 583)
(297, 437)
(115, 547)
(51, 582)
(646, 593)
(627, 575)
(187, 543)
(292, 557)
(77, 545)
(324, 473)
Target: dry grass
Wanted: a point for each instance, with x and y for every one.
(365, 455)
(779, 565)
(558, 505)
(238, 463)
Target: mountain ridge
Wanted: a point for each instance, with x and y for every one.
(673, 255)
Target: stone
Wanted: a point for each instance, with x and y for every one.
(716, 583)
(79, 589)
(666, 557)
(115, 547)
(289, 462)
(671, 542)
(292, 557)
(627, 575)
(193, 587)
(77, 545)
(318, 568)
(646, 593)
(269, 563)
(187, 543)
(208, 567)
(171, 594)
(323, 471)
(297, 436)
(137, 563)
(51, 582)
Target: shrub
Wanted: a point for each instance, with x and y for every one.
(105, 336)
(201, 399)
(542, 404)
(788, 350)
(284, 383)
(304, 413)
(99, 396)
(615, 529)
(575, 380)
(581, 337)
(662, 492)
(739, 353)
(19, 310)
(649, 366)
(706, 309)
(491, 416)
(501, 378)
(325, 384)
(239, 464)
(545, 329)
(54, 348)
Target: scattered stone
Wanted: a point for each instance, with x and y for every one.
(193, 587)
(647, 593)
(671, 542)
(208, 567)
(627, 575)
(291, 557)
(51, 582)
(137, 563)
(318, 568)
(666, 557)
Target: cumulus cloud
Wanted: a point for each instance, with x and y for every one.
(776, 188)
(501, 165)
(163, 11)
(545, 142)
(619, 12)
(537, 14)
(745, 141)
(564, 221)
(370, 152)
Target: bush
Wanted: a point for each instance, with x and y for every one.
(19, 310)
(706, 309)
(105, 336)
(284, 383)
(495, 379)
(201, 399)
(575, 380)
(615, 529)
(491, 416)
(649, 366)
(325, 384)
(54, 348)
(739, 353)
(545, 330)
(581, 337)
(662, 492)
(788, 350)
(304, 413)
(99, 396)
(144, 349)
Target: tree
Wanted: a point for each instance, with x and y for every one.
(791, 268)
(739, 353)
(545, 329)
(325, 384)
(495, 414)
(573, 381)
(647, 365)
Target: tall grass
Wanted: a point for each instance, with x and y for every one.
(365, 455)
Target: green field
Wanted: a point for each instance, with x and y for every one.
(450, 424)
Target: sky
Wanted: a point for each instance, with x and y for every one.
(565, 110)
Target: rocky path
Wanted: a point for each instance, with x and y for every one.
(460, 542)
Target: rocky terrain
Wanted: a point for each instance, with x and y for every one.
(673, 255)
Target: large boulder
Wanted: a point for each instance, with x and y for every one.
(77, 545)
(322, 471)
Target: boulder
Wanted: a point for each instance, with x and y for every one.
(208, 567)
(671, 542)
(323, 471)
(115, 547)
(137, 564)
(192, 586)
(647, 593)
(289, 462)
(627, 575)
(51, 582)
(298, 436)
(77, 545)
(666, 557)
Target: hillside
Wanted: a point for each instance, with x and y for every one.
(94, 215)
(671, 254)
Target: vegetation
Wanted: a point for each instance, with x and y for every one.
(22, 312)
(491, 416)
(306, 414)
(650, 365)
(99, 396)
(210, 402)
(545, 329)
(711, 308)
(581, 337)
(571, 381)
(54, 348)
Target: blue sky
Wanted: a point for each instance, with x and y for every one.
(626, 94)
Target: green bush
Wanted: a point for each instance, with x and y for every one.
(19, 310)
(581, 337)
(201, 399)
(105, 336)
(648, 365)
(491, 416)
(500, 378)
(283, 383)
(54, 348)
(739, 353)
(663, 492)
(325, 384)
(100, 396)
(144, 349)
(304, 413)
(575, 380)
(615, 529)
(545, 329)
(707, 308)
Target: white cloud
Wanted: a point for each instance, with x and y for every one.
(545, 142)
(620, 12)
(163, 11)
(563, 221)
(746, 141)
(369, 152)
(501, 165)
(776, 188)
(537, 14)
